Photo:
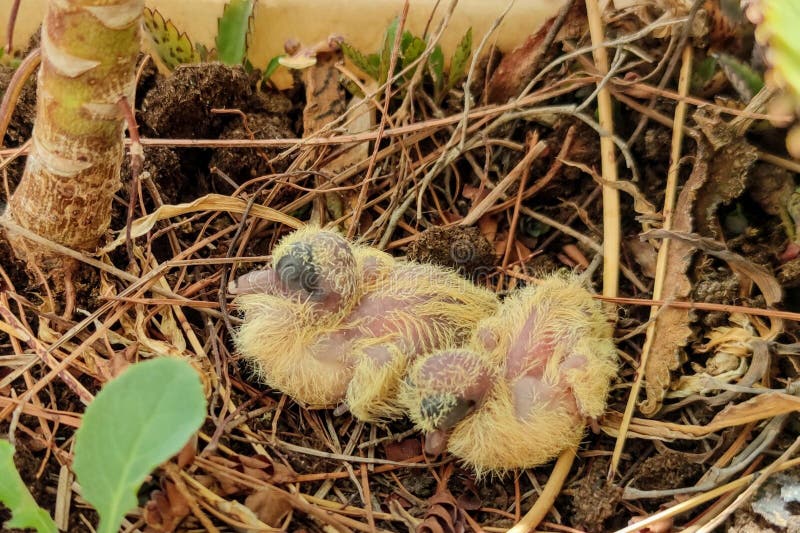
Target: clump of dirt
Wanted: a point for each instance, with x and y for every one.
(461, 248)
(163, 166)
(179, 106)
(242, 164)
(666, 471)
(594, 500)
(210, 101)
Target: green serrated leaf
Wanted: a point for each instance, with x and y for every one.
(360, 60)
(744, 79)
(405, 41)
(15, 495)
(412, 51)
(272, 66)
(386, 51)
(233, 31)
(172, 45)
(136, 422)
(436, 65)
(460, 60)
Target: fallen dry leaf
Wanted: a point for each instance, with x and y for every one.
(270, 505)
(761, 407)
(519, 66)
(165, 509)
(403, 450)
(443, 514)
(722, 165)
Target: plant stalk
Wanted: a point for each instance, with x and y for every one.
(89, 51)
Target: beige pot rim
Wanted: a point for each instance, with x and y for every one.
(361, 22)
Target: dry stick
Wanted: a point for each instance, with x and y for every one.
(14, 89)
(703, 306)
(700, 499)
(686, 31)
(566, 144)
(47, 358)
(548, 496)
(12, 20)
(387, 97)
(121, 274)
(137, 160)
(769, 470)
(473, 64)
(663, 256)
(611, 209)
(512, 230)
(15, 343)
(423, 126)
(498, 191)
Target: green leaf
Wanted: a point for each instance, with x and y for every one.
(412, 51)
(744, 79)
(386, 51)
(436, 64)
(703, 73)
(364, 63)
(272, 66)
(460, 59)
(172, 45)
(138, 421)
(14, 495)
(232, 31)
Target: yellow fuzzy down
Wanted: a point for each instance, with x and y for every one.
(278, 338)
(493, 439)
(281, 336)
(373, 389)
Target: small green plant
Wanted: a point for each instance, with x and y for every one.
(234, 27)
(376, 65)
(15, 495)
(233, 31)
(746, 81)
(136, 422)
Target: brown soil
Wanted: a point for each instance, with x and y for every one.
(461, 248)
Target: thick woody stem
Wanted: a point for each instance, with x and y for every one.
(89, 51)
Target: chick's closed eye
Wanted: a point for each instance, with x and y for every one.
(296, 269)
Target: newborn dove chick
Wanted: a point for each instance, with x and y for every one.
(523, 388)
(335, 323)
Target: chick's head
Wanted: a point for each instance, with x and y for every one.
(318, 266)
(443, 389)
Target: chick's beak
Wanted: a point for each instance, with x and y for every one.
(435, 442)
(264, 281)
